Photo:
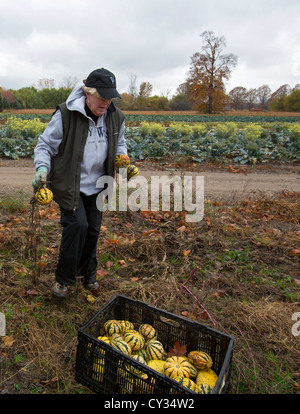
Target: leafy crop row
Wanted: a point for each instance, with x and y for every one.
(223, 141)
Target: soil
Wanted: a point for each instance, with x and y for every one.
(231, 182)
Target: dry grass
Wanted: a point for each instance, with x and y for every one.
(240, 278)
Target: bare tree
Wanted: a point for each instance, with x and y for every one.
(46, 83)
(132, 90)
(238, 97)
(69, 82)
(263, 95)
(251, 97)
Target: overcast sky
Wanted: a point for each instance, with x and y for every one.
(152, 39)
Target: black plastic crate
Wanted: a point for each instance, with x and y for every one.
(105, 370)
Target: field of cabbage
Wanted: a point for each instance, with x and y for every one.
(196, 138)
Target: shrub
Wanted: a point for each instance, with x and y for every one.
(252, 132)
(24, 127)
(225, 130)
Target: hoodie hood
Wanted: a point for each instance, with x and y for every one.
(76, 100)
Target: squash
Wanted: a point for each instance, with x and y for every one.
(135, 370)
(121, 346)
(206, 376)
(200, 359)
(186, 382)
(112, 326)
(155, 349)
(193, 369)
(118, 336)
(98, 369)
(132, 171)
(205, 389)
(122, 160)
(43, 196)
(135, 340)
(177, 366)
(104, 339)
(126, 326)
(157, 364)
(143, 353)
(147, 331)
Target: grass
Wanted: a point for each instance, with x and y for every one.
(244, 273)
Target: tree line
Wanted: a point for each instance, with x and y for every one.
(203, 90)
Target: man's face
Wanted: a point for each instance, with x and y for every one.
(97, 105)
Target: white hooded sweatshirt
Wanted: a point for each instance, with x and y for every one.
(96, 147)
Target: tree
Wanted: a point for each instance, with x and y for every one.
(208, 71)
(263, 95)
(69, 82)
(238, 96)
(251, 97)
(46, 83)
(132, 90)
(292, 102)
(278, 98)
(144, 94)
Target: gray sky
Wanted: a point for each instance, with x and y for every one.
(152, 39)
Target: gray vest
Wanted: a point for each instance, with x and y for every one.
(65, 166)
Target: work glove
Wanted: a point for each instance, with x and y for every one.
(40, 178)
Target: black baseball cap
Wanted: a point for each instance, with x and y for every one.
(105, 83)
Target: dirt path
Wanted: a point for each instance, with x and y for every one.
(16, 175)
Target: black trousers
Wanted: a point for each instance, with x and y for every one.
(78, 248)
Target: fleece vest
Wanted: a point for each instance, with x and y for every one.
(65, 171)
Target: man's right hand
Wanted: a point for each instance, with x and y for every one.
(40, 177)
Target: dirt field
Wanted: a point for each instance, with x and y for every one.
(226, 182)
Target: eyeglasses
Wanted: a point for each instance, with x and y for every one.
(100, 98)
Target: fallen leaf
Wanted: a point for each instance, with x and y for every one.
(186, 252)
(31, 292)
(134, 279)
(101, 272)
(182, 229)
(8, 341)
(177, 350)
(90, 299)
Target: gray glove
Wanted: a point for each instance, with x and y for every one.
(40, 177)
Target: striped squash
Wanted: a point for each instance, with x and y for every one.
(155, 349)
(193, 369)
(98, 369)
(103, 339)
(135, 340)
(177, 366)
(186, 382)
(205, 389)
(44, 196)
(142, 353)
(121, 346)
(126, 326)
(122, 160)
(135, 370)
(112, 326)
(118, 336)
(147, 331)
(200, 359)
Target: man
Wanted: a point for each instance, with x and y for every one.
(78, 146)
